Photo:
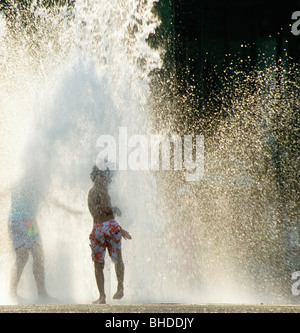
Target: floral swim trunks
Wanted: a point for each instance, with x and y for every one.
(105, 235)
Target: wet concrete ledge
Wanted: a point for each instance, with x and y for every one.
(150, 308)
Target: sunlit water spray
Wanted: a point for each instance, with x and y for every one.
(238, 219)
(71, 74)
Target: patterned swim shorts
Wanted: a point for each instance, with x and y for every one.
(24, 233)
(105, 235)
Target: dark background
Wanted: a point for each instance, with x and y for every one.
(203, 36)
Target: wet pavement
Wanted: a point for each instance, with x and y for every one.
(150, 308)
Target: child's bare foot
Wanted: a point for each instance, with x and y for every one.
(119, 294)
(100, 300)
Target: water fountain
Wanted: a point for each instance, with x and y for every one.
(244, 242)
(75, 71)
(72, 73)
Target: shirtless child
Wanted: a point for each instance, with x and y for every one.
(106, 232)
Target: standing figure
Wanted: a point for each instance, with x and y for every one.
(25, 235)
(106, 232)
(26, 197)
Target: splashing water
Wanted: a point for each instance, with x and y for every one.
(241, 219)
(72, 73)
